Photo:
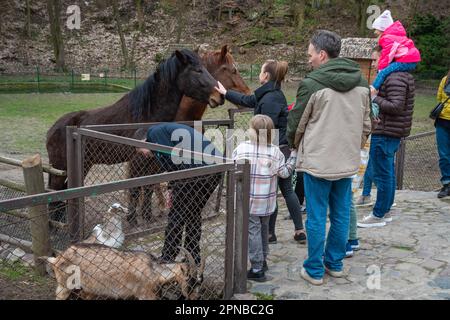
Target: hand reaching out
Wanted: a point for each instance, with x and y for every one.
(221, 89)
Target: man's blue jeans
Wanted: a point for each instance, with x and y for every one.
(382, 154)
(443, 145)
(368, 179)
(320, 195)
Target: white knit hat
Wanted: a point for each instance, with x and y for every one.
(383, 21)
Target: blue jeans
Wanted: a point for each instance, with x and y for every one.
(322, 194)
(443, 146)
(382, 153)
(368, 179)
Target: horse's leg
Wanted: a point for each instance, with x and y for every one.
(134, 193)
(149, 167)
(57, 209)
(147, 203)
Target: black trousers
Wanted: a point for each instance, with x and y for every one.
(189, 197)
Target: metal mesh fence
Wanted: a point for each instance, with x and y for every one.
(10, 193)
(180, 255)
(162, 240)
(418, 163)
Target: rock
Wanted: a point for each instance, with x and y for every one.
(266, 289)
(243, 296)
(16, 255)
(289, 295)
(28, 260)
(441, 282)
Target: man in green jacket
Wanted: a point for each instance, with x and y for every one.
(328, 126)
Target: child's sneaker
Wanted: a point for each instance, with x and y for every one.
(364, 201)
(258, 276)
(354, 244)
(272, 239)
(348, 250)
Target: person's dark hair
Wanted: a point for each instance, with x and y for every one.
(377, 48)
(276, 69)
(328, 41)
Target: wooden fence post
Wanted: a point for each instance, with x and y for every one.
(241, 229)
(39, 222)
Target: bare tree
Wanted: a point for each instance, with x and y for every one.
(123, 44)
(297, 8)
(54, 13)
(140, 14)
(28, 19)
(361, 9)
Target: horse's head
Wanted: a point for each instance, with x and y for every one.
(222, 67)
(195, 81)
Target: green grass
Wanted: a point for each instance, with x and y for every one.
(25, 118)
(16, 271)
(262, 296)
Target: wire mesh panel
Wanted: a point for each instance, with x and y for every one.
(10, 193)
(420, 166)
(241, 118)
(177, 252)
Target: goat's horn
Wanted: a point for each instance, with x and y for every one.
(190, 258)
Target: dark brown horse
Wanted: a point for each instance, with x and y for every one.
(157, 99)
(222, 67)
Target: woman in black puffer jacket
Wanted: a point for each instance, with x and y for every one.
(269, 100)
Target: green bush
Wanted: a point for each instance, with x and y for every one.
(432, 38)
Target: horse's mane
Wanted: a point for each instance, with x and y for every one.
(162, 83)
(214, 58)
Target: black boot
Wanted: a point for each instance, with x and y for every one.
(445, 191)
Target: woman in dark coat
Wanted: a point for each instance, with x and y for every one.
(269, 100)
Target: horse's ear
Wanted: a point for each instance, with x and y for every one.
(181, 57)
(197, 49)
(223, 53)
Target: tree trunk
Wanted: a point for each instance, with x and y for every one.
(140, 15)
(120, 32)
(28, 19)
(361, 9)
(298, 11)
(54, 13)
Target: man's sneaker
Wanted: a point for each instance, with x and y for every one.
(272, 239)
(354, 244)
(371, 221)
(445, 191)
(265, 267)
(307, 277)
(259, 276)
(348, 250)
(388, 217)
(364, 201)
(334, 274)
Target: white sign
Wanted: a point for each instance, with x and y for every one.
(74, 18)
(85, 77)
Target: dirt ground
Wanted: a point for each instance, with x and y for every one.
(26, 288)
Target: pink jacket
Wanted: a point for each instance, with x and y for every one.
(396, 46)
